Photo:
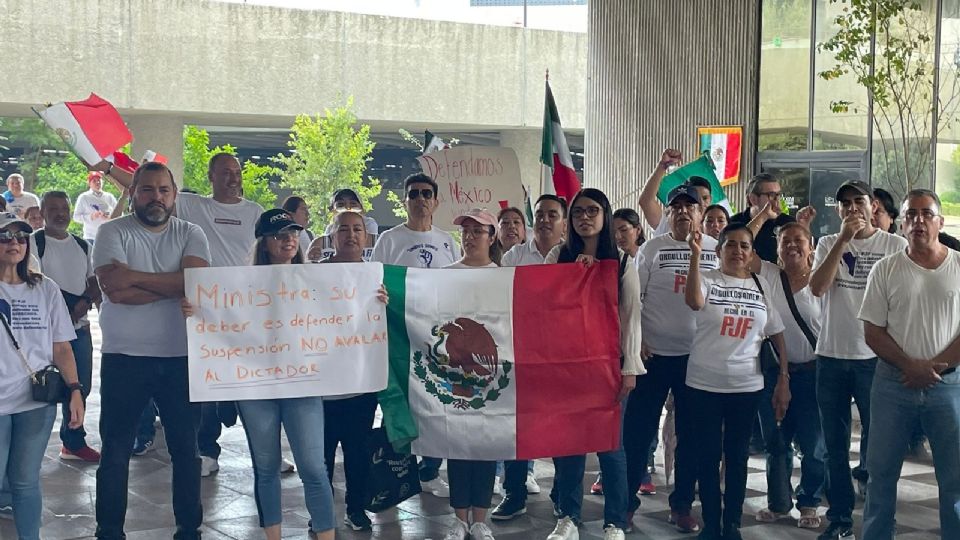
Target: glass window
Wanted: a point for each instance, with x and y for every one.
(784, 76)
(835, 131)
(948, 141)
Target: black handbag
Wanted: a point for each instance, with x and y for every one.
(769, 359)
(46, 385)
(393, 477)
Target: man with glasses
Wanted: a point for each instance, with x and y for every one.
(911, 318)
(845, 362)
(764, 194)
(417, 243)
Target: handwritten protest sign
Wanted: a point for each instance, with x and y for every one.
(284, 331)
(473, 177)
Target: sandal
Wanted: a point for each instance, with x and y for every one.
(766, 515)
(809, 519)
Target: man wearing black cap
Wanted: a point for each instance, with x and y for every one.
(668, 330)
(653, 214)
(846, 363)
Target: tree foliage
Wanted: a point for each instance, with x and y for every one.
(888, 46)
(196, 156)
(328, 153)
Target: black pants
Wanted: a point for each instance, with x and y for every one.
(348, 422)
(471, 483)
(723, 423)
(515, 480)
(642, 422)
(126, 383)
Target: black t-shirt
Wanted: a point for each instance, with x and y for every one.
(765, 244)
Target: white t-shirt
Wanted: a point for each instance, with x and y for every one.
(228, 227)
(734, 319)
(38, 318)
(808, 305)
(842, 334)
(664, 226)
(523, 255)
(402, 246)
(919, 307)
(65, 262)
(461, 265)
(668, 324)
(89, 202)
(156, 329)
(21, 203)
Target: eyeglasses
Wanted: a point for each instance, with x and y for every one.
(284, 236)
(924, 214)
(589, 211)
(475, 232)
(6, 237)
(415, 193)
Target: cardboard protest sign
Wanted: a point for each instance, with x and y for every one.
(285, 331)
(473, 177)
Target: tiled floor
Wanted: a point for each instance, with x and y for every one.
(230, 511)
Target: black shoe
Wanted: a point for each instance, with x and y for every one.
(838, 531)
(508, 508)
(358, 521)
(731, 532)
(710, 533)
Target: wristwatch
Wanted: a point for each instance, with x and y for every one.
(72, 387)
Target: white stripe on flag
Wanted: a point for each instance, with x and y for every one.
(65, 125)
(718, 153)
(560, 147)
(446, 431)
(546, 181)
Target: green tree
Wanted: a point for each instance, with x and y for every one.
(888, 46)
(328, 153)
(196, 156)
(41, 146)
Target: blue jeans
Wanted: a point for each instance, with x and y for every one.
(567, 493)
(801, 424)
(897, 408)
(23, 439)
(302, 420)
(75, 439)
(838, 381)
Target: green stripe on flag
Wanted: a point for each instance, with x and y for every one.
(397, 419)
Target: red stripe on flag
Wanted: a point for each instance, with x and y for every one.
(565, 181)
(567, 366)
(101, 123)
(731, 168)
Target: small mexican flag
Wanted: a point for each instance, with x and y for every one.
(503, 363)
(702, 167)
(723, 146)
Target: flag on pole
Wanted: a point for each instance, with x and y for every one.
(559, 176)
(432, 143)
(723, 146)
(528, 207)
(476, 374)
(92, 128)
(701, 167)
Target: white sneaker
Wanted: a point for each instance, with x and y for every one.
(532, 486)
(566, 529)
(458, 530)
(480, 531)
(286, 466)
(437, 487)
(208, 466)
(497, 486)
(611, 532)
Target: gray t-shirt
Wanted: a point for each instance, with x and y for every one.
(156, 329)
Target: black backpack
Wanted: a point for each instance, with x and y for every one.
(41, 239)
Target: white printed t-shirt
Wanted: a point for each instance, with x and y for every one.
(668, 324)
(38, 318)
(21, 203)
(228, 227)
(842, 334)
(65, 262)
(157, 329)
(734, 320)
(809, 306)
(89, 202)
(402, 246)
(919, 307)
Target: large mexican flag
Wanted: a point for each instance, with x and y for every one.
(503, 363)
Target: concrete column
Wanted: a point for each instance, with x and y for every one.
(163, 135)
(526, 143)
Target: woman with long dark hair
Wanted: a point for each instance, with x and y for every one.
(590, 238)
(627, 231)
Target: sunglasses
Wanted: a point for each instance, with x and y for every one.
(21, 237)
(416, 193)
(284, 236)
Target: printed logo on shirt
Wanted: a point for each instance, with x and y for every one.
(740, 307)
(22, 315)
(425, 253)
(857, 267)
(678, 260)
(226, 221)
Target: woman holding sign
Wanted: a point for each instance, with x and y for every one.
(590, 238)
(724, 380)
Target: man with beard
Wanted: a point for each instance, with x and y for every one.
(139, 260)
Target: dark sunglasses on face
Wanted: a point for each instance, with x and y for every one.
(415, 193)
(589, 211)
(284, 236)
(21, 237)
